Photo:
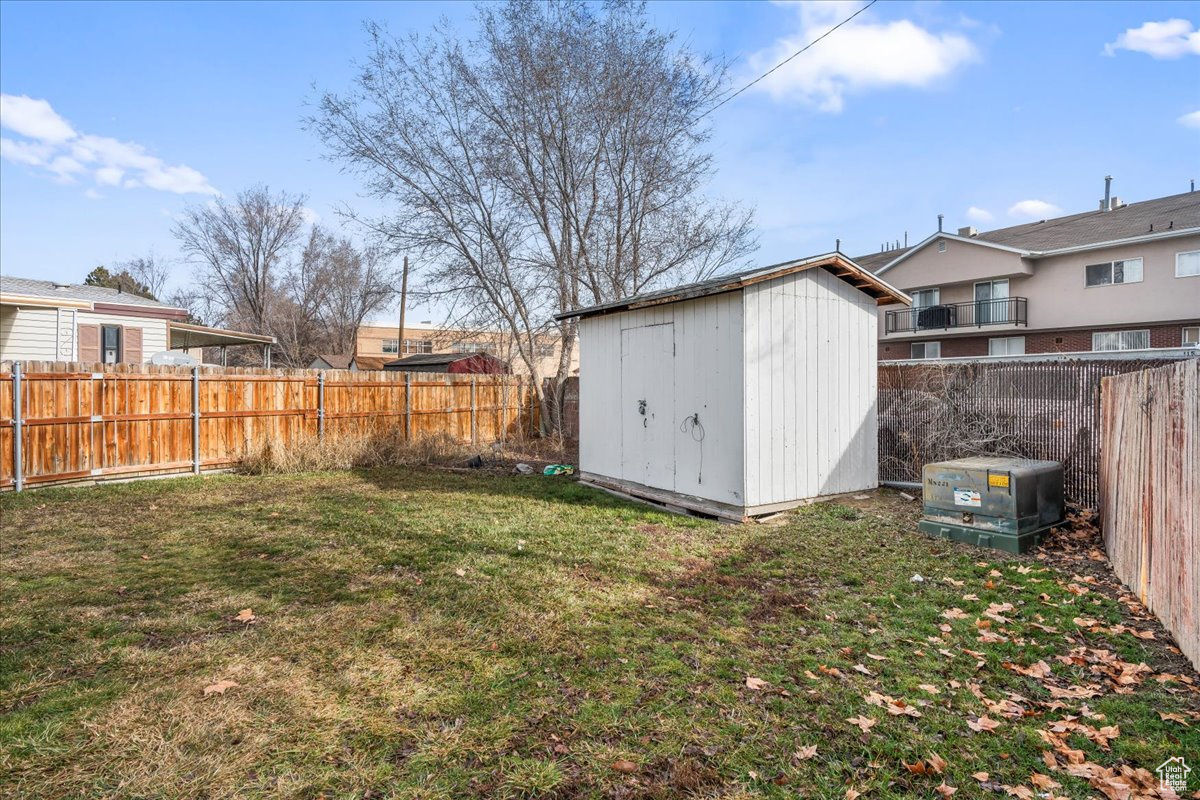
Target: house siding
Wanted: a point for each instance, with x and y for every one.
(29, 334)
(811, 422)
(154, 331)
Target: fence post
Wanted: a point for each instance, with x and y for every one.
(321, 407)
(196, 420)
(504, 412)
(474, 436)
(408, 406)
(18, 426)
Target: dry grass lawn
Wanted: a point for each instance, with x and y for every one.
(422, 634)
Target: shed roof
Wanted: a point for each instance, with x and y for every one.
(430, 359)
(840, 265)
(337, 360)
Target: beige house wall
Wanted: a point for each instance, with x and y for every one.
(369, 343)
(1055, 286)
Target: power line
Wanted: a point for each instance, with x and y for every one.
(786, 60)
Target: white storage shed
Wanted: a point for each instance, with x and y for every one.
(737, 396)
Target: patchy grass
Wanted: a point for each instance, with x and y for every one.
(424, 634)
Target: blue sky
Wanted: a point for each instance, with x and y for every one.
(116, 116)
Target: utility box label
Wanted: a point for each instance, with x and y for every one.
(999, 481)
(967, 497)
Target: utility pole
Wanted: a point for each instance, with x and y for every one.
(403, 304)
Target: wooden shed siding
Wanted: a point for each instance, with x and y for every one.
(708, 373)
(810, 389)
(28, 333)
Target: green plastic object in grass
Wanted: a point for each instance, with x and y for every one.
(559, 469)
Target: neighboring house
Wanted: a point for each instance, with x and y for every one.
(1124, 277)
(331, 361)
(424, 338)
(454, 363)
(47, 321)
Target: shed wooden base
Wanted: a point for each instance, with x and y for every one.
(688, 504)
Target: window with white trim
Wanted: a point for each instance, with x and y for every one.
(1006, 346)
(1128, 270)
(477, 347)
(391, 346)
(1104, 341)
(1191, 336)
(418, 346)
(924, 298)
(1187, 264)
(925, 350)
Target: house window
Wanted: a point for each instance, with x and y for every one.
(418, 346)
(1187, 265)
(545, 351)
(1191, 336)
(1006, 346)
(110, 344)
(391, 346)
(1110, 272)
(926, 350)
(1120, 340)
(924, 298)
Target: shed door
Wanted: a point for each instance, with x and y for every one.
(647, 405)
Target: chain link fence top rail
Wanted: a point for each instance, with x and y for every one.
(1030, 407)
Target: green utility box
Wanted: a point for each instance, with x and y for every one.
(992, 501)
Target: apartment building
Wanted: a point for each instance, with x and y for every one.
(378, 344)
(1123, 277)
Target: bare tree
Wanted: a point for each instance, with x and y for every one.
(555, 161)
(241, 247)
(149, 270)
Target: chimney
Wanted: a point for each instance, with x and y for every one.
(1106, 203)
(940, 218)
(1116, 203)
(967, 231)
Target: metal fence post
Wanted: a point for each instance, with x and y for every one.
(196, 420)
(474, 435)
(321, 407)
(408, 406)
(18, 426)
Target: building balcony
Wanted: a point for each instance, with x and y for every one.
(950, 316)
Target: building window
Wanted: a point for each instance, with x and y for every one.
(926, 350)
(1110, 272)
(924, 298)
(1191, 336)
(423, 346)
(110, 344)
(476, 347)
(1120, 340)
(1187, 265)
(391, 346)
(1006, 346)
(545, 351)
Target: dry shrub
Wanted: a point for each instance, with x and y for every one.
(309, 453)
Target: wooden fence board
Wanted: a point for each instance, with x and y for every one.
(87, 421)
(1150, 492)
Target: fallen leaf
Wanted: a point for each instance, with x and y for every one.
(852, 794)
(944, 790)
(1043, 781)
(220, 687)
(982, 777)
(245, 615)
(917, 768)
(929, 687)
(954, 613)
(874, 657)
(983, 724)
(1174, 718)
(757, 684)
(460, 572)
(624, 766)
(937, 763)
(805, 753)
(864, 723)
(862, 669)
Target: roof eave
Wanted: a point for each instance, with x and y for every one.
(1146, 237)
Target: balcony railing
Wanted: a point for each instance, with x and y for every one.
(975, 314)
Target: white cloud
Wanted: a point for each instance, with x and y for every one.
(1034, 209)
(976, 214)
(92, 194)
(860, 56)
(51, 144)
(1173, 38)
(33, 118)
(1191, 120)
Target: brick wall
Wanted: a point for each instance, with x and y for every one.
(1073, 341)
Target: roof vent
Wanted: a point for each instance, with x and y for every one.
(967, 231)
(1118, 203)
(58, 285)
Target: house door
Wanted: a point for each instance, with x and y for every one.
(990, 305)
(647, 405)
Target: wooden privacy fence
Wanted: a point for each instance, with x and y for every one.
(63, 422)
(1150, 492)
(1032, 406)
